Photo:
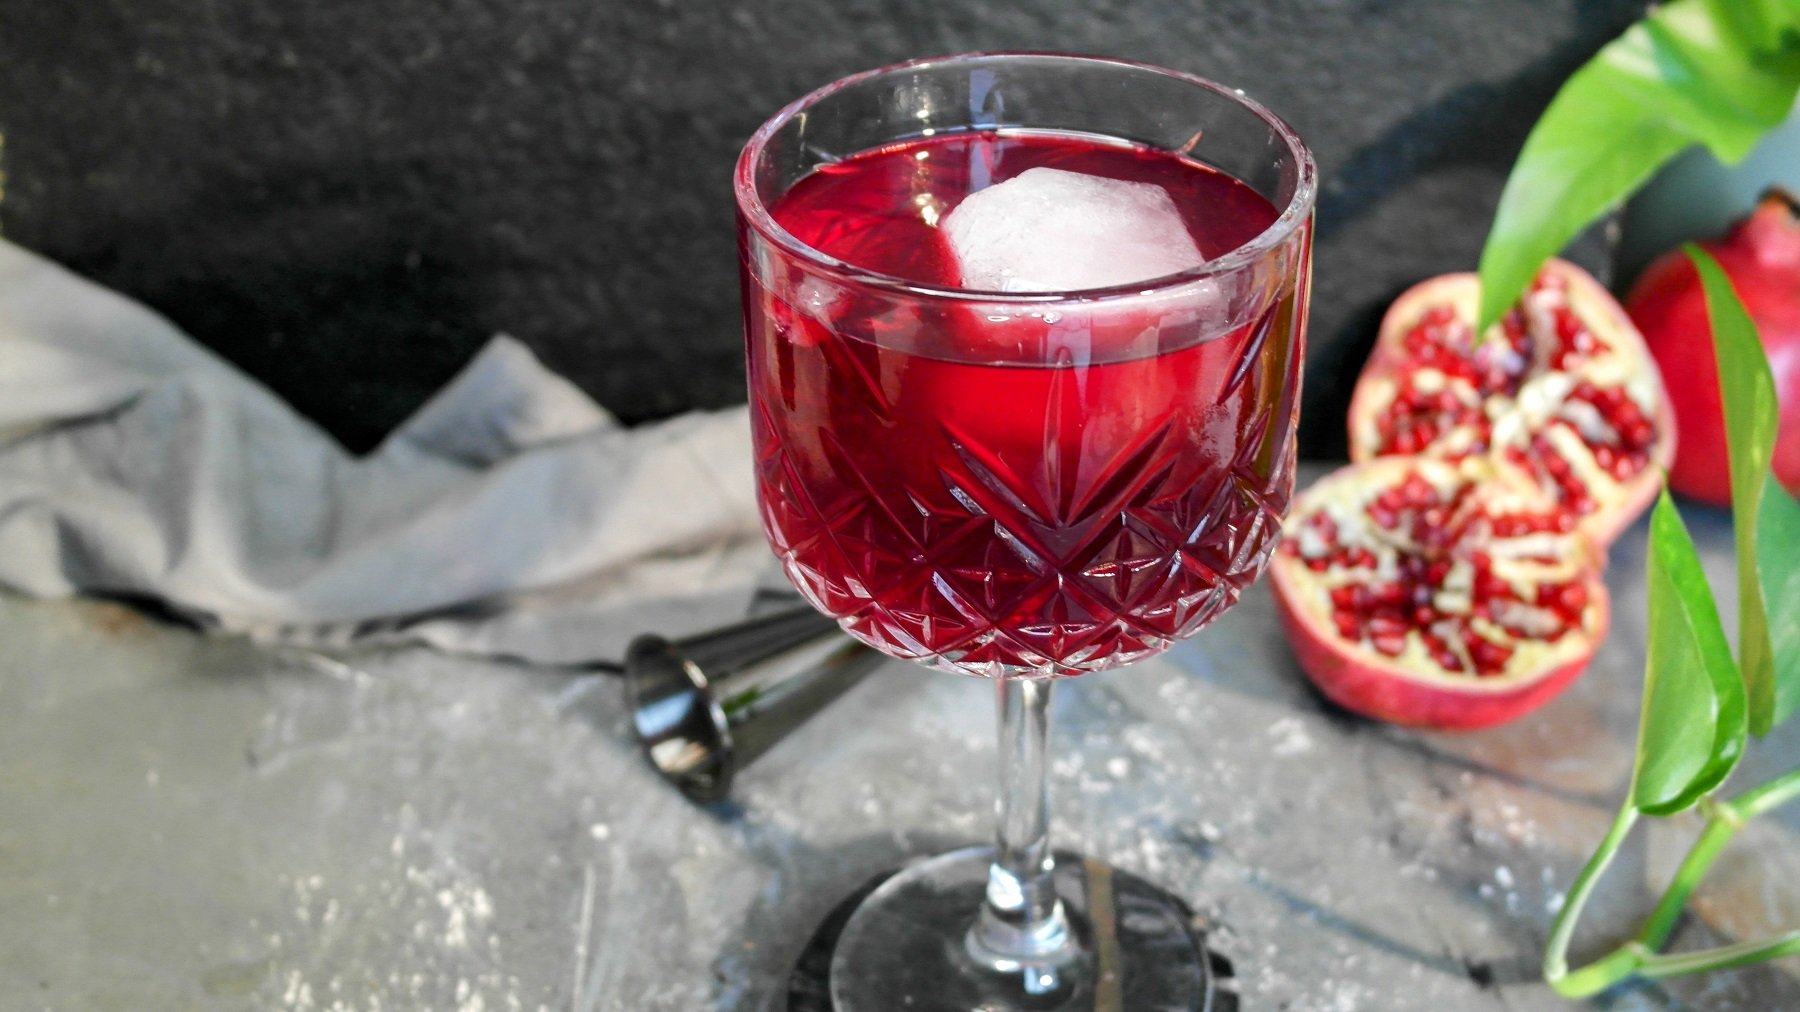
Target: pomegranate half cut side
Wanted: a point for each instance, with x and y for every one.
(1437, 594)
(1563, 391)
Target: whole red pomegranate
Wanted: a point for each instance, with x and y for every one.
(1761, 255)
(1437, 594)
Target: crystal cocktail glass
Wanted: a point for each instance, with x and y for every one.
(1020, 485)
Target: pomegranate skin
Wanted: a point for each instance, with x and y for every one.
(1761, 256)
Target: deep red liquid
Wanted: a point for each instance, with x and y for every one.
(1060, 494)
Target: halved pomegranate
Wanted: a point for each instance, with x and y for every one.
(1437, 594)
(1563, 390)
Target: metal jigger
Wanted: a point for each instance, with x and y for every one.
(706, 706)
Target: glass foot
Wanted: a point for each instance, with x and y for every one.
(906, 945)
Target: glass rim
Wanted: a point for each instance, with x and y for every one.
(1298, 210)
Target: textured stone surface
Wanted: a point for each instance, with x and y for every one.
(194, 824)
(346, 198)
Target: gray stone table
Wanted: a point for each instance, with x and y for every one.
(192, 823)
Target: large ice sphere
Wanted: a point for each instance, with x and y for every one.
(1049, 230)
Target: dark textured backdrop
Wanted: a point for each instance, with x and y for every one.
(347, 198)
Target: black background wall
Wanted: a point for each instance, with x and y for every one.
(347, 198)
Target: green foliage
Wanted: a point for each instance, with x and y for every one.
(1692, 729)
(1714, 72)
(1719, 73)
(1777, 547)
(1747, 390)
(1698, 701)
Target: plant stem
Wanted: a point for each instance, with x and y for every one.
(1599, 975)
(1723, 820)
(1723, 958)
(1713, 838)
(1773, 794)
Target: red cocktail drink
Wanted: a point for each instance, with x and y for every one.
(1024, 338)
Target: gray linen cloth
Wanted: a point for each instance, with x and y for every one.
(511, 515)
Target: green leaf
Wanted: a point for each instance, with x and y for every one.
(1692, 730)
(1747, 390)
(1713, 72)
(1759, 24)
(1778, 568)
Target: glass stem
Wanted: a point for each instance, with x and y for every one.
(1022, 927)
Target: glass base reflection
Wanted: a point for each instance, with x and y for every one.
(905, 946)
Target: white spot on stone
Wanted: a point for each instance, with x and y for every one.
(1289, 737)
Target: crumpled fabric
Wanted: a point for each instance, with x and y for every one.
(511, 515)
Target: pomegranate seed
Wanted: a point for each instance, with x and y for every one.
(1386, 622)
(1570, 599)
(1490, 658)
(1417, 490)
(1390, 643)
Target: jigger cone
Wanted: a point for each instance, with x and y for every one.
(706, 706)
